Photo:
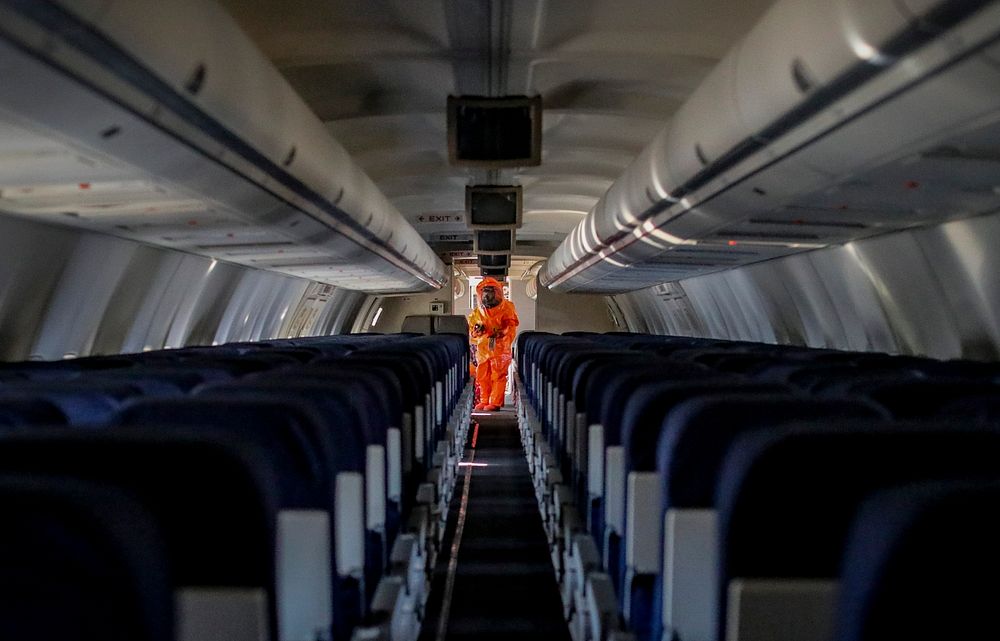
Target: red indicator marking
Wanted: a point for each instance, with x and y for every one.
(911, 184)
(732, 243)
(475, 435)
(192, 222)
(84, 185)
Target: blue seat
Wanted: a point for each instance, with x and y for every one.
(382, 379)
(66, 369)
(375, 394)
(524, 345)
(803, 373)
(689, 449)
(84, 403)
(607, 386)
(706, 355)
(185, 373)
(698, 433)
(622, 359)
(424, 424)
(327, 349)
(297, 443)
(788, 494)
(921, 563)
(547, 351)
(534, 374)
(919, 398)
(411, 389)
(839, 379)
(301, 354)
(978, 409)
(969, 370)
(610, 388)
(627, 400)
(563, 416)
(213, 501)
(631, 484)
(748, 363)
(83, 561)
(341, 434)
(288, 432)
(215, 358)
(19, 412)
(182, 378)
(149, 384)
(443, 359)
(456, 355)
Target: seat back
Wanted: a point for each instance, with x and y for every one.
(786, 499)
(920, 562)
(214, 504)
(81, 560)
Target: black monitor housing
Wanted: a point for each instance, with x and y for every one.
(494, 206)
(494, 260)
(495, 133)
(489, 241)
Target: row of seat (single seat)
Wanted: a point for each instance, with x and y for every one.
(702, 490)
(292, 490)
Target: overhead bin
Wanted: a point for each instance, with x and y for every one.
(138, 135)
(781, 148)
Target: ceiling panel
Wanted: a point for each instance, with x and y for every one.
(610, 75)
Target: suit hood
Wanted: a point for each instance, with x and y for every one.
(490, 282)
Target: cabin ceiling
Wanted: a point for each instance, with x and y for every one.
(611, 74)
(680, 137)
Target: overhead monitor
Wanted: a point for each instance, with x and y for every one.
(494, 271)
(494, 260)
(495, 132)
(490, 241)
(493, 206)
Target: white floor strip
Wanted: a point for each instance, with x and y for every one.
(449, 586)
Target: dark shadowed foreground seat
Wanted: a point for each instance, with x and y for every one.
(212, 502)
(921, 564)
(83, 561)
(786, 501)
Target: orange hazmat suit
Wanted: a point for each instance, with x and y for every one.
(492, 326)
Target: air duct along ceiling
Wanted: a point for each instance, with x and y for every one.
(805, 136)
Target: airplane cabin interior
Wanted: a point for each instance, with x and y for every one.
(435, 320)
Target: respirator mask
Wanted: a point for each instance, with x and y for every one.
(490, 298)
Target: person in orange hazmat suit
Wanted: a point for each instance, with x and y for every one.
(492, 326)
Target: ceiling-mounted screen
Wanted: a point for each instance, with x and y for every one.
(493, 206)
(490, 241)
(494, 260)
(495, 132)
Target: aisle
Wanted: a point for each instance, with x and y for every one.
(504, 583)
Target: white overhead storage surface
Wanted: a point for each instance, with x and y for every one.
(832, 120)
(162, 122)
